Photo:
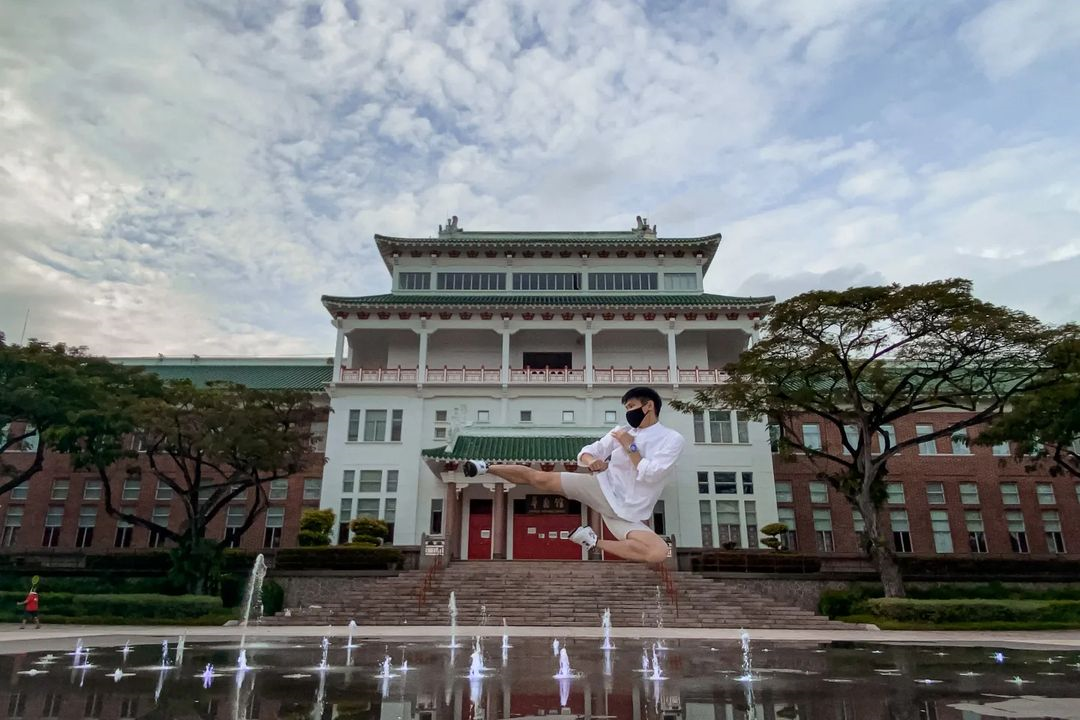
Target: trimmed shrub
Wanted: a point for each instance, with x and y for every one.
(155, 561)
(104, 584)
(366, 541)
(118, 608)
(365, 527)
(841, 603)
(273, 597)
(339, 557)
(315, 527)
(968, 611)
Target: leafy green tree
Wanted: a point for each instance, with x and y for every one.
(315, 527)
(212, 446)
(44, 389)
(1045, 424)
(868, 357)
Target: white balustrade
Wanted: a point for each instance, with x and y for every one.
(527, 376)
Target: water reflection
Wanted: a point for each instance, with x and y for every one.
(698, 681)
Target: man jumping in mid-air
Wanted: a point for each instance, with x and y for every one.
(630, 466)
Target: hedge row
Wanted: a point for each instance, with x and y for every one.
(148, 562)
(338, 558)
(126, 607)
(968, 611)
(852, 601)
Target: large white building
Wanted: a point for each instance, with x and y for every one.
(517, 346)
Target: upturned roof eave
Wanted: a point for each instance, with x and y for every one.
(340, 303)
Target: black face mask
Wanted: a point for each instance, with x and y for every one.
(635, 417)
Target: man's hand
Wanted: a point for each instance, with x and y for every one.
(597, 465)
(625, 439)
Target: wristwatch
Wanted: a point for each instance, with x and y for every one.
(633, 447)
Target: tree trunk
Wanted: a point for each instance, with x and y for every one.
(880, 553)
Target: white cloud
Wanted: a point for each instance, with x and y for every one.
(1011, 35)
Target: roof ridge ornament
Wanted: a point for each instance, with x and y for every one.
(644, 229)
(451, 227)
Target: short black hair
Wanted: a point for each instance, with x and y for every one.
(642, 394)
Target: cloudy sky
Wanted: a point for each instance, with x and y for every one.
(189, 177)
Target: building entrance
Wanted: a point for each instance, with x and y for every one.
(542, 527)
(480, 522)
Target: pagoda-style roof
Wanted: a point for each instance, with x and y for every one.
(452, 236)
(584, 301)
(513, 448)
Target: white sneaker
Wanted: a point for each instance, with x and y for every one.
(472, 468)
(584, 536)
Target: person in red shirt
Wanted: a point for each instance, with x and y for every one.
(30, 611)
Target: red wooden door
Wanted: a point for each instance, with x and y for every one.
(480, 516)
(544, 537)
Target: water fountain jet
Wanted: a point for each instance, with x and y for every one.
(605, 623)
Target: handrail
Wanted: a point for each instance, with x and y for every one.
(667, 578)
(428, 582)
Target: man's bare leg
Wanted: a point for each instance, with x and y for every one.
(522, 475)
(640, 546)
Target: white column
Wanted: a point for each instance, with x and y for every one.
(504, 373)
(588, 358)
(421, 363)
(673, 368)
(339, 350)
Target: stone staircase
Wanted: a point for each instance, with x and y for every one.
(554, 593)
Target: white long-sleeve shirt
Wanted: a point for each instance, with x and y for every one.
(633, 492)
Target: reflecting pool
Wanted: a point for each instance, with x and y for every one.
(529, 678)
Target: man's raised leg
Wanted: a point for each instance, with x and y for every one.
(522, 475)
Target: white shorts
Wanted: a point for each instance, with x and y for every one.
(585, 488)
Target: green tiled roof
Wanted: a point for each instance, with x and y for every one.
(560, 448)
(555, 239)
(700, 300)
(269, 375)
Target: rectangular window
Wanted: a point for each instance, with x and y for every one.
(354, 426)
(1002, 449)
(680, 281)
(725, 483)
(440, 416)
(774, 438)
(396, 420)
(959, 442)
(88, 516)
(819, 492)
(705, 512)
(234, 519)
(748, 483)
(20, 492)
(344, 518)
(91, 489)
(926, 447)
(901, 530)
(391, 481)
(1010, 493)
(939, 524)
(790, 539)
(720, 426)
(811, 433)
(132, 487)
(703, 483)
(935, 493)
(546, 281)
(483, 417)
(275, 520)
(440, 432)
(969, 493)
(435, 526)
(610, 416)
(752, 537)
(471, 281)
(367, 507)
(525, 416)
(976, 531)
(414, 281)
(84, 534)
(858, 523)
(851, 435)
(348, 481)
(1017, 533)
(742, 429)
(163, 492)
(374, 425)
(622, 281)
(370, 481)
(12, 522)
(783, 491)
(279, 489)
(1045, 493)
(894, 493)
(823, 532)
(886, 438)
(160, 516)
(124, 529)
(568, 416)
(727, 522)
(312, 488)
(60, 488)
(54, 518)
(1055, 541)
(699, 427)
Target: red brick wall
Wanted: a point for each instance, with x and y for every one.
(914, 471)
